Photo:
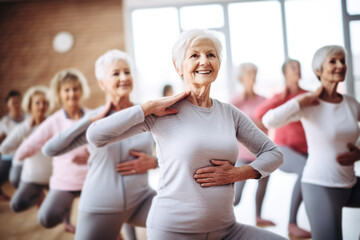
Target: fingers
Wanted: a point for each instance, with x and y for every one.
(126, 166)
(319, 91)
(219, 162)
(136, 154)
(205, 170)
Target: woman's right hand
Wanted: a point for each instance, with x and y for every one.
(161, 107)
(102, 113)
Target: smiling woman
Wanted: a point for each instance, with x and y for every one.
(195, 197)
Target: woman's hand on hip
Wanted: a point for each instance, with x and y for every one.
(161, 107)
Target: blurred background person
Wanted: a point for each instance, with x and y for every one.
(167, 90)
(291, 140)
(247, 101)
(69, 170)
(330, 120)
(36, 170)
(7, 123)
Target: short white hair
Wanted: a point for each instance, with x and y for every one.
(68, 75)
(31, 92)
(322, 53)
(109, 57)
(241, 68)
(186, 37)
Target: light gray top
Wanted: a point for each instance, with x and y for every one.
(105, 190)
(185, 142)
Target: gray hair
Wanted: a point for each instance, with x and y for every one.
(109, 57)
(287, 62)
(186, 37)
(243, 66)
(31, 92)
(68, 75)
(322, 53)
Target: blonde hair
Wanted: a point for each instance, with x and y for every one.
(66, 75)
(31, 92)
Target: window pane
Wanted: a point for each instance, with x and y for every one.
(353, 7)
(203, 16)
(256, 36)
(307, 34)
(355, 49)
(152, 51)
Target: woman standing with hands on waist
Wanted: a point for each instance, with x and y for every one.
(184, 207)
(330, 121)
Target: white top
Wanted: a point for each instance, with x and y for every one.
(186, 142)
(7, 124)
(329, 127)
(37, 168)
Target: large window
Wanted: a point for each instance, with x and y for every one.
(263, 32)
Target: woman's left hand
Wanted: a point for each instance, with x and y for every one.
(141, 164)
(221, 174)
(350, 157)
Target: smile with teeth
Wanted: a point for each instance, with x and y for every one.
(203, 71)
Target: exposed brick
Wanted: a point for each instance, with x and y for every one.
(27, 29)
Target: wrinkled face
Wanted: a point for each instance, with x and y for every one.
(70, 93)
(14, 105)
(292, 72)
(118, 80)
(248, 77)
(39, 105)
(201, 63)
(333, 68)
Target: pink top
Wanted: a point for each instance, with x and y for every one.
(247, 106)
(291, 135)
(66, 174)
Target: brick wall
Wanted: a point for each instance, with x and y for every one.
(27, 29)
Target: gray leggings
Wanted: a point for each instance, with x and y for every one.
(56, 207)
(93, 226)
(236, 231)
(26, 196)
(15, 175)
(324, 205)
(260, 192)
(294, 162)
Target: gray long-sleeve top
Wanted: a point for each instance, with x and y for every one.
(105, 190)
(185, 142)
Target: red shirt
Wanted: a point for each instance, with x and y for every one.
(291, 135)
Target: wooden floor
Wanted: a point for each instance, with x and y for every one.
(24, 225)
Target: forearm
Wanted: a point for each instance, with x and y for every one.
(115, 127)
(282, 115)
(65, 141)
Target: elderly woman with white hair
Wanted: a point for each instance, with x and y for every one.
(330, 121)
(192, 131)
(116, 189)
(69, 170)
(36, 169)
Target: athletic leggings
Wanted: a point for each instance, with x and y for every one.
(294, 162)
(56, 207)
(5, 166)
(260, 192)
(26, 196)
(236, 231)
(93, 226)
(324, 205)
(15, 175)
